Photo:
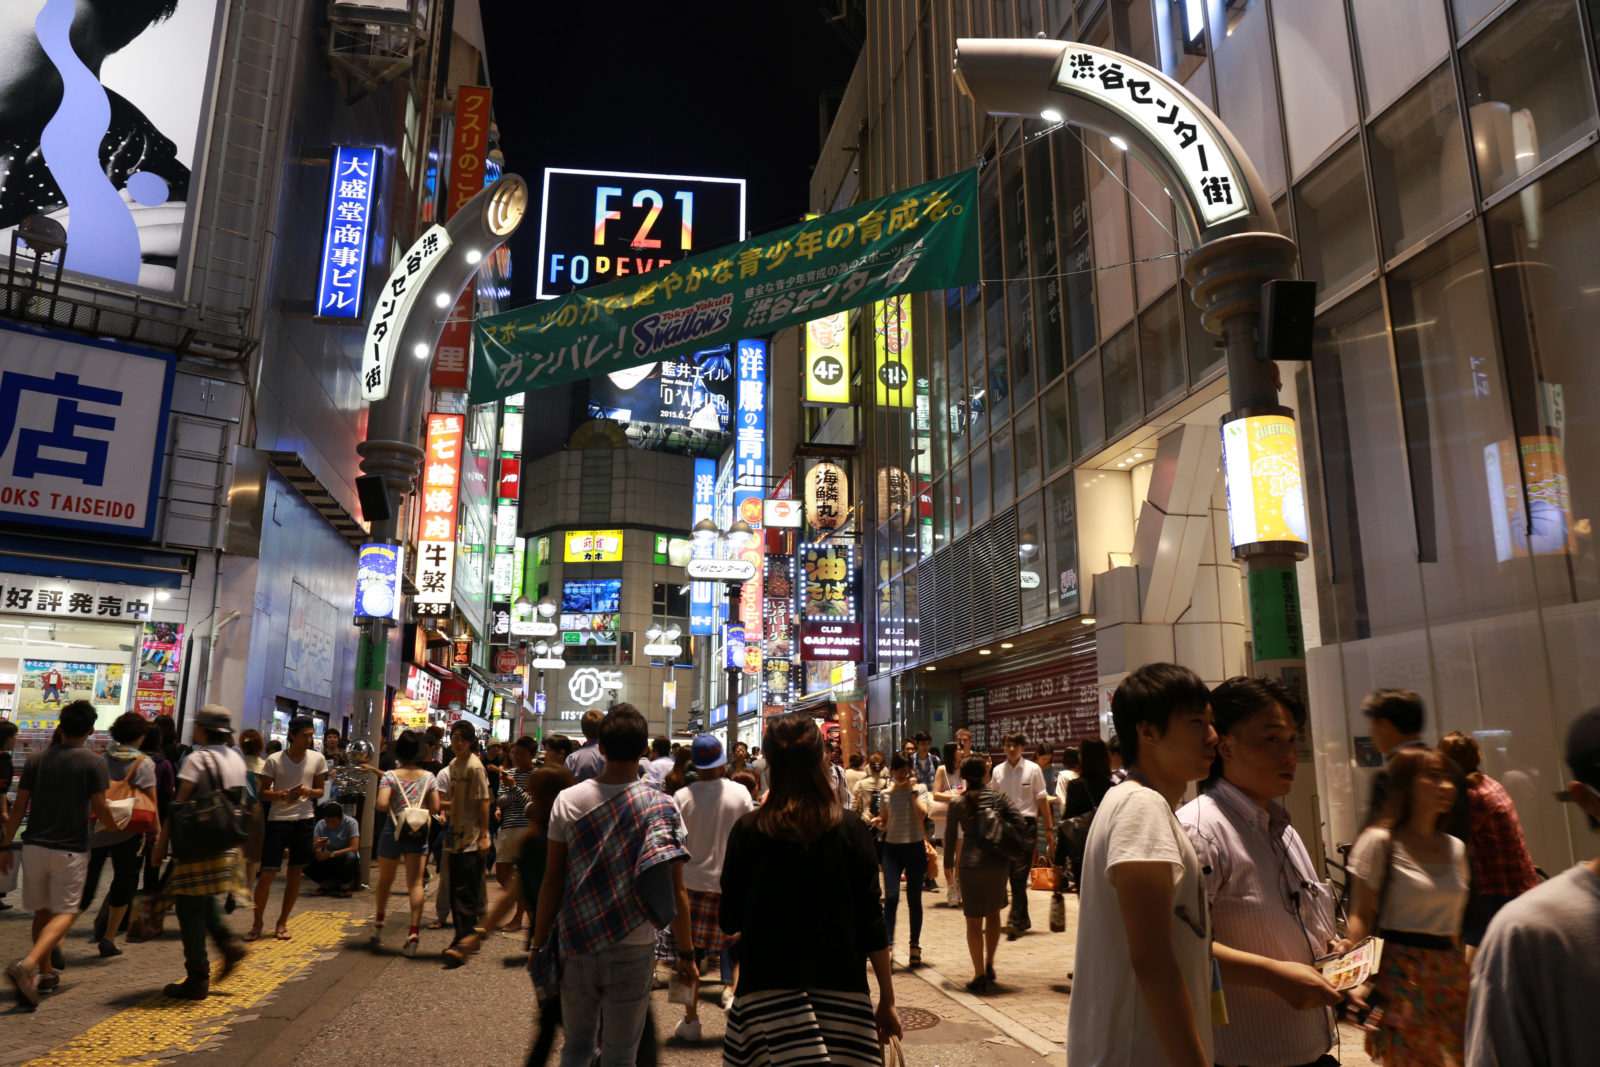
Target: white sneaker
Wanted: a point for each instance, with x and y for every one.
(687, 1031)
(727, 998)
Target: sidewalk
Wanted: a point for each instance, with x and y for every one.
(1032, 973)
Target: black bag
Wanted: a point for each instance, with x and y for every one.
(209, 825)
(1003, 832)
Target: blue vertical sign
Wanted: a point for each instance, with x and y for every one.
(352, 188)
(750, 437)
(703, 614)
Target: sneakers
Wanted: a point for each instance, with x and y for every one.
(687, 1031)
(21, 976)
(409, 949)
(47, 983)
(727, 998)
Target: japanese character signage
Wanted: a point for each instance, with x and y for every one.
(1172, 120)
(25, 594)
(891, 343)
(690, 392)
(827, 496)
(597, 226)
(469, 150)
(828, 359)
(436, 541)
(352, 188)
(82, 432)
(378, 571)
(750, 473)
(1261, 467)
(830, 622)
(703, 614)
(388, 319)
(593, 546)
(921, 238)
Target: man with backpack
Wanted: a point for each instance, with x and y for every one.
(212, 766)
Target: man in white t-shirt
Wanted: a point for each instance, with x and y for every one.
(1023, 781)
(292, 781)
(709, 807)
(1146, 996)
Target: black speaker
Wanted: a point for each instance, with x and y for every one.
(1288, 319)
(374, 498)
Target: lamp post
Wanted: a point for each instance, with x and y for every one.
(732, 572)
(663, 644)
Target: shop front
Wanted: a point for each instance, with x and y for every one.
(1054, 702)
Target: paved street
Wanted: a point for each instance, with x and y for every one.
(326, 996)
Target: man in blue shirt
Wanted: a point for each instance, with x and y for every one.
(336, 846)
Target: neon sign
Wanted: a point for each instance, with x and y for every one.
(352, 188)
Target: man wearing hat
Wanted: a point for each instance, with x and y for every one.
(1536, 978)
(708, 807)
(195, 883)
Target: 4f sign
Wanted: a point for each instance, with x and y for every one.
(394, 307)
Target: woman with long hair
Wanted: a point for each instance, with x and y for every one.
(801, 980)
(1084, 794)
(407, 786)
(680, 774)
(984, 873)
(1411, 890)
(1502, 868)
(902, 813)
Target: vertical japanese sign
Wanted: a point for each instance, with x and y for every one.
(508, 492)
(467, 168)
(828, 359)
(352, 188)
(703, 595)
(394, 306)
(891, 342)
(436, 542)
(750, 473)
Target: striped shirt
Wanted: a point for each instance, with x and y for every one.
(1265, 898)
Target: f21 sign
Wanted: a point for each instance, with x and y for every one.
(598, 226)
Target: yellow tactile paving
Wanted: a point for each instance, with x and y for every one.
(158, 1028)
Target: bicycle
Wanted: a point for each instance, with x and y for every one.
(1342, 886)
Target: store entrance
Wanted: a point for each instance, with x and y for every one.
(46, 664)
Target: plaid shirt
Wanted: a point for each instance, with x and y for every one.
(607, 850)
(1501, 865)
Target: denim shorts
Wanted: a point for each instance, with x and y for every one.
(389, 848)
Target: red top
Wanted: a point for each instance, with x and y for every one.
(1501, 865)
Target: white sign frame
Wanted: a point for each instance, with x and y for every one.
(720, 570)
(393, 308)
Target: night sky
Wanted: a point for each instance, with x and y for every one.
(728, 88)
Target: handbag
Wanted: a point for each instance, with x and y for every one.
(134, 812)
(893, 1054)
(1043, 876)
(1000, 834)
(208, 825)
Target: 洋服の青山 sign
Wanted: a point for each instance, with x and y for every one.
(921, 238)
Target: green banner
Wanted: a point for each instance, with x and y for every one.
(911, 241)
(372, 659)
(1275, 615)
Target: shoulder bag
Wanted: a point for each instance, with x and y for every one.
(141, 809)
(209, 825)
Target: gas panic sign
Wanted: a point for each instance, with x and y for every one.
(598, 226)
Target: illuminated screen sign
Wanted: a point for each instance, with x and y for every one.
(891, 342)
(352, 188)
(828, 359)
(1531, 499)
(378, 571)
(441, 484)
(598, 226)
(703, 613)
(690, 392)
(830, 620)
(394, 307)
(593, 546)
(592, 595)
(1266, 499)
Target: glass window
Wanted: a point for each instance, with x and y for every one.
(1031, 558)
(1119, 370)
(997, 389)
(1088, 418)
(1419, 164)
(1398, 42)
(1547, 286)
(1057, 445)
(954, 339)
(980, 485)
(1528, 92)
(1471, 12)
(941, 513)
(1331, 219)
(1113, 248)
(1181, 33)
(1072, 218)
(1027, 424)
(977, 366)
(934, 359)
(1018, 292)
(1061, 572)
(1044, 261)
(960, 513)
(1000, 469)
(1161, 351)
(1247, 94)
(1204, 349)
(1154, 228)
(1319, 86)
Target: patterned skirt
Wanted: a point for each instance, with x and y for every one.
(795, 1026)
(1425, 1010)
(705, 923)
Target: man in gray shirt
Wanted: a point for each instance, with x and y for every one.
(588, 761)
(1535, 977)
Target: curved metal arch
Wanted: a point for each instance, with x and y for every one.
(1212, 181)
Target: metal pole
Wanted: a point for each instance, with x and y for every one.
(735, 591)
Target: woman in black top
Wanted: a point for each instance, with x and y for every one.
(1084, 794)
(801, 979)
(984, 873)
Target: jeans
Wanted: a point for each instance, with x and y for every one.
(466, 874)
(608, 992)
(913, 860)
(1019, 880)
(198, 917)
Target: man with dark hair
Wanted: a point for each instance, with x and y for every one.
(924, 762)
(1395, 718)
(336, 851)
(587, 761)
(660, 764)
(1535, 976)
(557, 747)
(62, 786)
(1143, 924)
(294, 782)
(1021, 779)
(1119, 773)
(615, 874)
(467, 842)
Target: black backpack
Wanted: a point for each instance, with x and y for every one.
(209, 825)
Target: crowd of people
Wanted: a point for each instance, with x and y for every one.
(617, 854)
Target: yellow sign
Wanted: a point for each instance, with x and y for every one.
(593, 546)
(828, 360)
(1266, 496)
(891, 338)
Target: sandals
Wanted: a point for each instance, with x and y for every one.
(252, 937)
(436, 925)
(915, 958)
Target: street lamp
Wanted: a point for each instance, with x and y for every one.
(546, 607)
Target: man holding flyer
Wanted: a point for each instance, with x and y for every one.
(1272, 916)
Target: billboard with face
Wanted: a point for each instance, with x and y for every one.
(101, 104)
